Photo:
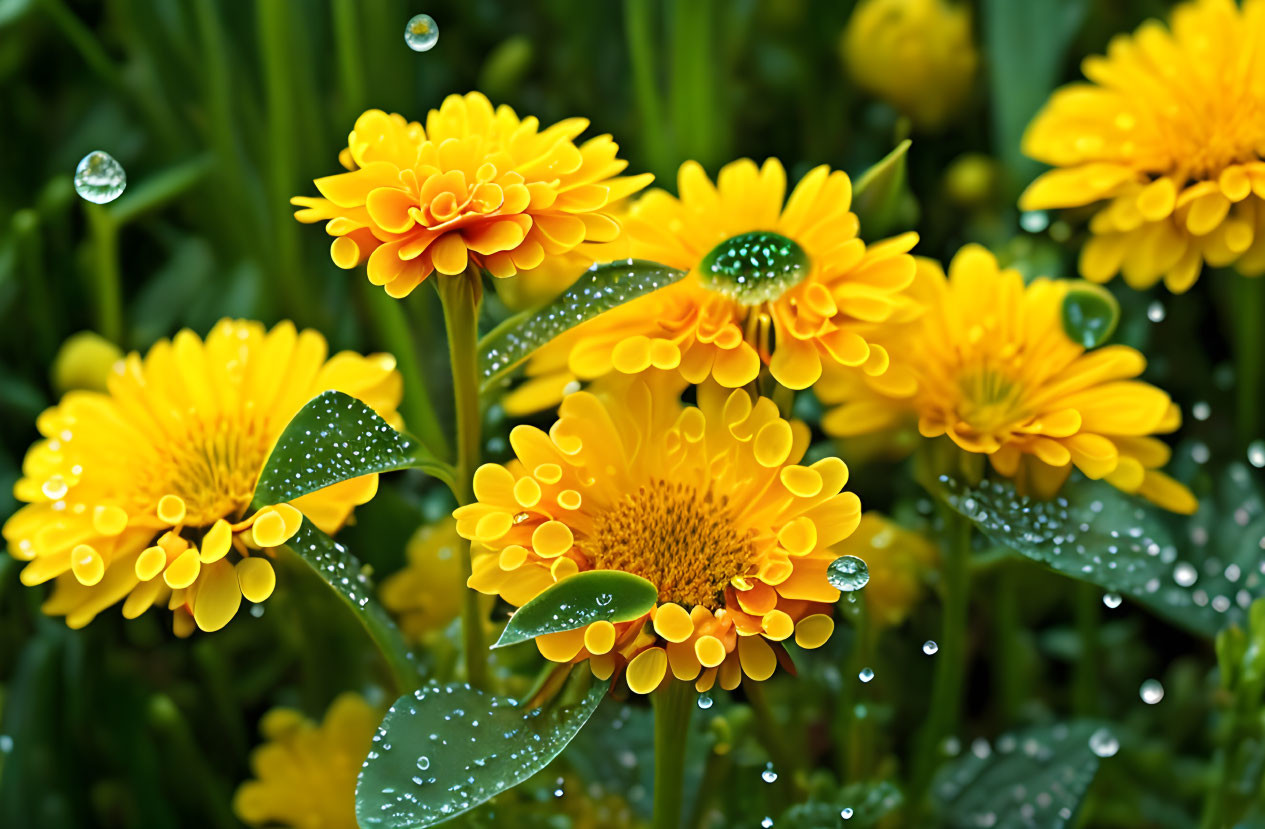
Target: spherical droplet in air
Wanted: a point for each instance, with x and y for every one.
(848, 573)
(421, 34)
(99, 178)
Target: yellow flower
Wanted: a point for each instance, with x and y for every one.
(990, 365)
(898, 560)
(305, 775)
(1167, 138)
(84, 362)
(915, 54)
(142, 493)
(788, 284)
(425, 595)
(709, 504)
(474, 185)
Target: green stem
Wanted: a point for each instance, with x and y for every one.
(391, 324)
(1249, 301)
(1008, 683)
(105, 271)
(639, 26)
(947, 687)
(161, 188)
(772, 737)
(29, 246)
(347, 45)
(673, 706)
(1085, 670)
(460, 297)
(693, 100)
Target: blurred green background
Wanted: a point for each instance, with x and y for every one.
(220, 111)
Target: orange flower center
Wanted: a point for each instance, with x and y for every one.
(675, 537)
(990, 401)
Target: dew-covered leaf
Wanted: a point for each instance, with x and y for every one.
(445, 749)
(335, 564)
(334, 438)
(600, 289)
(881, 198)
(856, 806)
(1093, 532)
(580, 600)
(1024, 780)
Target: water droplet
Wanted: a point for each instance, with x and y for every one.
(705, 701)
(1103, 743)
(866, 675)
(1151, 691)
(754, 267)
(1112, 600)
(767, 822)
(1155, 311)
(1185, 574)
(1090, 314)
(99, 178)
(6, 744)
(1256, 453)
(848, 573)
(1034, 221)
(930, 648)
(768, 775)
(847, 813)
(423, 763)
(421, 34)
(1201, 410)
(55, 488)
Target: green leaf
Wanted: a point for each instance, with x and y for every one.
(445, 749)
(343, 572)
(580, 600)
(333, 438)
(600, 289)
(1036, 777)
(865, 804)
(1090, 314)
(881, 198)
(1093, 532)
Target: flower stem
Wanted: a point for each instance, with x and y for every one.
(673, 706)
(1085, 671)
(1249, 301)
(639, 23)
(109, 290)
(946, 692)
(460, 297)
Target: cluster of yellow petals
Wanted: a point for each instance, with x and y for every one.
(141, 493)
(918, 55)
(1170, 134)
(474, 185)
(989, 365)
(618, 480)
(900, 562)
(421, 594)
(306, 772)
(849, 290)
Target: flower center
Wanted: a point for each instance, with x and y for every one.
(990, 401)
(754, 267)
(682, 541)
(215, 468)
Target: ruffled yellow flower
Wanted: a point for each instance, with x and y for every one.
(898, 560)
(917, 55)
(990, 365)
(474, 185)
(1169, 136)
(772, 281)
(141, 494)
(305, 774)
(424, 595)
(709, 504)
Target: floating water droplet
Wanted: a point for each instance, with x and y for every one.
(768, 775)
(1112, 600)
(1151, 691)
(754, 267)
(930, 648)
(421, 34)
(1155, 311)
(1201, 410)
(767, 822)
(866, 675)
(99, 178)
(1034, 221)
(847, 813)
(6, 744)
(705, 701)
(1256, 453)
(1103, 743)
(848, 573)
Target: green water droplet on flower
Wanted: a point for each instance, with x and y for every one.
(421, 34)
(1090, 314)
(755, 267)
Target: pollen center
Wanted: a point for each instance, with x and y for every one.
(214, 470)
(754, 267)
(991, 402)
(677, 538)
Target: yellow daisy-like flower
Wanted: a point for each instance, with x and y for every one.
(898, 560)
(709, 504)
(141, 494)
(474, 185)
(305, 774)
(772, 281)
(917, 55)
(1169, 135)
(424, 596)
(990, 366)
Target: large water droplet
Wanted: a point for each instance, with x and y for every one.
(754, 267)
(1112, 600)
(1103, 743)
(848, 573)
(1256, 453)
(846, 814)
(99, 178)
(1151, 691)
(866, 675)
(705, 701)
(421, 34)
(768, 775)
(1034, 221)
(930, 648)
(1155, 311)
(1090, 314)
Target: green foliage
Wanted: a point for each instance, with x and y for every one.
(580, 600)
